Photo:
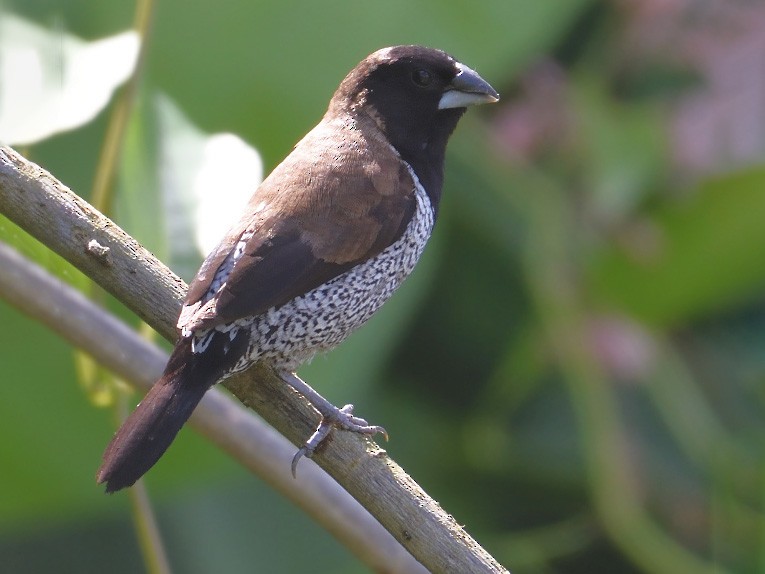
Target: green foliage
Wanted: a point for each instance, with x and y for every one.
(576, 368)
(704, 256)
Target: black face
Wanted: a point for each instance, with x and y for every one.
(405, 92)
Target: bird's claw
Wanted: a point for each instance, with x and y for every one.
(338, 418)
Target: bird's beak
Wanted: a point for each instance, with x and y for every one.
(467, 89)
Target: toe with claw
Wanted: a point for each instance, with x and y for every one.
(331, 417)
(335, 418)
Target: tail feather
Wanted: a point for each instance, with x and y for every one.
(149, 430)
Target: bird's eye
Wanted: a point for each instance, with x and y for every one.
(422, 78)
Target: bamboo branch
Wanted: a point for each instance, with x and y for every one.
(57, 217)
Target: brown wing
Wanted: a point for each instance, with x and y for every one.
(326, 208)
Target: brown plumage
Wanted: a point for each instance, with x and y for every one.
(324, 209)
(323, 243)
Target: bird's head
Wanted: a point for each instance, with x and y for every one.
(415, 94)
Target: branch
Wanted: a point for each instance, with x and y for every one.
(245, 437)
(45, 208)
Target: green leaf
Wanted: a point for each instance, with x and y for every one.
(51, 81)
(693, 257)
(273, 99)
(181, 188)
(623, 147)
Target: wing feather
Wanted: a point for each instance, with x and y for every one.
(329, 206)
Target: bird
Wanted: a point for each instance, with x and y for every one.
(323, 242)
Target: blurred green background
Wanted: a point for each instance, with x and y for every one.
(575, 371)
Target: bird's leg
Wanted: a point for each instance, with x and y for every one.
(331, 417)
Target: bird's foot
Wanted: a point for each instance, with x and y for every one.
(335, 418)
(331, 417)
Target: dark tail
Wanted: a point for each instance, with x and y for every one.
(148, 431)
